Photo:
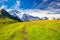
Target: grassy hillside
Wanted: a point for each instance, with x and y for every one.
(6, 21)
(34, 30)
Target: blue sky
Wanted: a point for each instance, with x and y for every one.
(27, 4)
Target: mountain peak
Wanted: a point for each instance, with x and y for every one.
(5, 14)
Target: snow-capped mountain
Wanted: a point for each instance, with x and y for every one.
(14, 12)
(26, 16)
(23, 16)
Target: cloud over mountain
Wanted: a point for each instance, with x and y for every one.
(32, 6)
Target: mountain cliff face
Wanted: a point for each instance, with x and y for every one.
(4, 14)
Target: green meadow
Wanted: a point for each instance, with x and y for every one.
(32, 30)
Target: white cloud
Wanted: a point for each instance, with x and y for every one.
(17, 5)
(58, 4)
(41, 3)
(3, 7)
(42, 13)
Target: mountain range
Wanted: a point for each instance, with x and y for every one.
(20, 16)
(26, 16)
(16, 15)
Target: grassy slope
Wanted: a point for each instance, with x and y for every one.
(34, 30)
(6, 21)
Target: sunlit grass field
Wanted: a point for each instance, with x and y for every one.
(6, 21)
(33, 30)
